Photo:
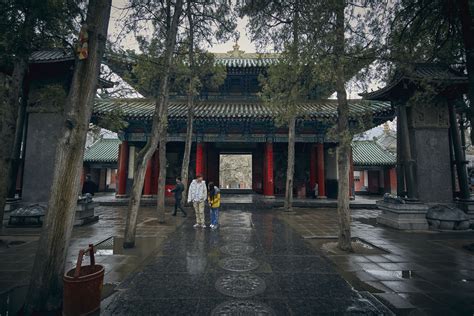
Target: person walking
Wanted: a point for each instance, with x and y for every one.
(214, 200)
(197, 195)
(178, 196)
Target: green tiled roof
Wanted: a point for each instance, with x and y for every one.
(240, 61)
(245, 62)
(422, 72)
(237, 110)
(103, 150)
(369, 153)
(51, 55)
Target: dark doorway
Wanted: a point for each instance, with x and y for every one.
(373, 181)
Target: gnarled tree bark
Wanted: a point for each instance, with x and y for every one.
(46, 288)
(290, 168)
(344, 135)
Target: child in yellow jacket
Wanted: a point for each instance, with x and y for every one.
(214, 200)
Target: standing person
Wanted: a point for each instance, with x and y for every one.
(197, 194)
(178, 196)
(214, 200)
(89, 186)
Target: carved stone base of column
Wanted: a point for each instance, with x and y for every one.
(468, 207)
(408, 216)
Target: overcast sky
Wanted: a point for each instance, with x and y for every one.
(116, 24)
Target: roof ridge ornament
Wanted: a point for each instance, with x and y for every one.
(236, 52)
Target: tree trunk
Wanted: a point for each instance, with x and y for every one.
(187, 147)
(8, 119)
(160, 203)
(189, 130)
(158, 129)
(344, 135)
(466, 12)
(45, 291)
(290, 168)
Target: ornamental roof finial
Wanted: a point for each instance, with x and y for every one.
(236, 52)
(386, 128)
(236, 46)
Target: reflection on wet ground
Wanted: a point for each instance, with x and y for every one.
(253, 265)
(16, 260)
(259, 263)
(426, 272)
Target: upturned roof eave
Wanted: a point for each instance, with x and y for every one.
(390, 93)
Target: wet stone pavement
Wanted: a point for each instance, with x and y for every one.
(16, 262)
(254, 264)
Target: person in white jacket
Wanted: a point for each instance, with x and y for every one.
(198, 195)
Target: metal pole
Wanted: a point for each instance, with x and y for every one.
(458, 154)
(452, 167)
(463, 133)
(408, 162)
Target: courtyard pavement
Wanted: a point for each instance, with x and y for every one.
(254, 264)
(416, 273)
(261, 261)
(18, 249)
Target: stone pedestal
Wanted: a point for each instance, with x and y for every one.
(468, 207)
(10, 205)
(408, 216)
(85, 213)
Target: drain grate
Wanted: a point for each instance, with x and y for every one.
(238, 264)
(237, 237)
(240, 285)
(238, 308)
(237, 249)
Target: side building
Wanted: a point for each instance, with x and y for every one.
(100, 163)
(374, 168)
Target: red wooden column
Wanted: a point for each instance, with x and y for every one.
(351, 176)
(264, 168)
(268, 181)
(155, 172)
(204, 162)
(393, 180)
(122, 170)
(83, 176)
(390, 180)
(199, 158)
(148, 179)
(313, 171)
(321, 176)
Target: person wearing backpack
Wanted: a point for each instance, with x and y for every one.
(214, 200)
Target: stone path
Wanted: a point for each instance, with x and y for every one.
(254, 264)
